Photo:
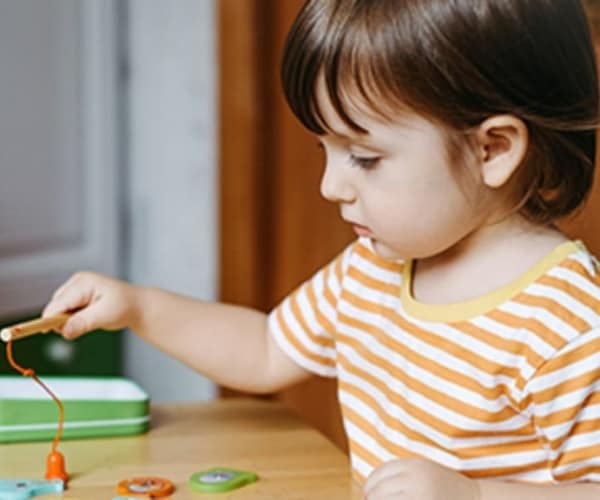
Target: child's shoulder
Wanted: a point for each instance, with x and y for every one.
(578, 275)
(570, 288)
(584, 261)
(567, 298)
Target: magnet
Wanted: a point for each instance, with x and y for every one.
(145, 487)
(219, 479)
(18, 489)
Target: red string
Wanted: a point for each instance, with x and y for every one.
(28, 372)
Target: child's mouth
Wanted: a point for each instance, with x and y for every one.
(361, 230)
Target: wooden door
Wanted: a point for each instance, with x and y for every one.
(276, 230)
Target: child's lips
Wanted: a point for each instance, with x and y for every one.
(361, 230)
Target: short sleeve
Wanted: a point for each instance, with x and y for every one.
(304, 323)
(564, 401)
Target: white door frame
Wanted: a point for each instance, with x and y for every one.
(27, 278)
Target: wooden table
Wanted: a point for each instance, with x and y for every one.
(293, 460)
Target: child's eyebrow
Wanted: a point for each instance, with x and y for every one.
(361, 141)
(362, 138)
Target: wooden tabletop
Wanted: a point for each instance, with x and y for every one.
(292, 460)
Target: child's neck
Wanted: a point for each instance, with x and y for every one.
(485, 260)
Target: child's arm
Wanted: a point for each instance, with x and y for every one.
(228, 344)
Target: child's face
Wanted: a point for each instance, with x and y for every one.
(396, 186)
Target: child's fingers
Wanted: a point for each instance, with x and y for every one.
(70, 299)
(383, 473)
(77, 279)
(88, 317)
(62, 305)
(81, 322)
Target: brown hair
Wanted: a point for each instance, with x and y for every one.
(459, 62)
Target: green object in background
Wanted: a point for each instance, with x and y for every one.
(94, 407)
(98, 353)
(220, 479)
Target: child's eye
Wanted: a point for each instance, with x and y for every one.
(365, 162)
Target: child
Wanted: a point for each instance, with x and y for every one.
(462, 326)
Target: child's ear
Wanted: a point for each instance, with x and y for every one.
(502, 141)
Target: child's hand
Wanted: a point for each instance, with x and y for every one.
(99, 302)
(418, 479)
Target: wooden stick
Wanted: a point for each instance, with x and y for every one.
(28, 328)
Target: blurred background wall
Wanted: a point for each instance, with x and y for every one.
(108, 162)
(170, 225)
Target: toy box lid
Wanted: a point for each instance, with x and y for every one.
(94, 407)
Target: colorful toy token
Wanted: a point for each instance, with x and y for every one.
(145, 487)
(21, 489)
(219, 479)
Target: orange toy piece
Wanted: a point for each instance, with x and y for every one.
(55, 467)
(145, 487)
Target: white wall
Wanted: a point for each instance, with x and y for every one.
(170, 231)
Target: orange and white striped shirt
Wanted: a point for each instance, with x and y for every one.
(504, 386)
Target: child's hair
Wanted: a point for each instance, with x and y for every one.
(459, 62)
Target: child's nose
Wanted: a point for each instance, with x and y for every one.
(335, 186)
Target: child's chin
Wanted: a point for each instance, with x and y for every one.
(385, 252)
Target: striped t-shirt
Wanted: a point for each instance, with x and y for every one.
(504, 386)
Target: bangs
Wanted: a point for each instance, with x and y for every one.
(344, 54)
(456, 64)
